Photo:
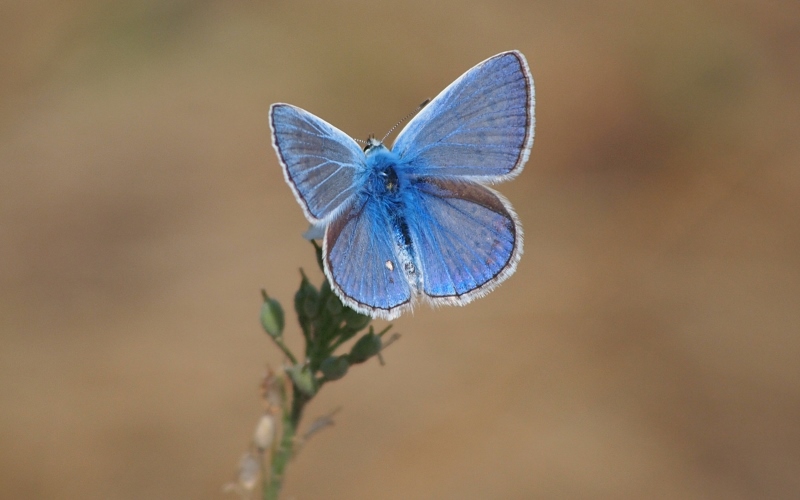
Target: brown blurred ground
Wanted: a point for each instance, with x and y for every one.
(646, 348)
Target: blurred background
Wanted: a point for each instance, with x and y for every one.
(647, 346)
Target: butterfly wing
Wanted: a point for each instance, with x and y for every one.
(480, 127)
(320, 162)
(362, 263)
(467, 239)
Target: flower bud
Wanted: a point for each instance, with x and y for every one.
(366, 347)
(356, 321)
(333, 305)
(303, 379)
(325, 289)
(306, 300)
(272, 316)
(334, 367)
(318, 251)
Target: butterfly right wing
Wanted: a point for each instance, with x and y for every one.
(320, 162)
(362, 263)
(479, 127)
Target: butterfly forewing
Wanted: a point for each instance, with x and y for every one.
(320, 162)
(481, 126)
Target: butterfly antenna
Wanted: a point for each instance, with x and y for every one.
(419, 108)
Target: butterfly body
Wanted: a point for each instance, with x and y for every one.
(387, 191)
(417, 220)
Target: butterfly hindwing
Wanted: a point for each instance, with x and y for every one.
(320, 162)
(362, 262)
(479, 127)
(466, 237)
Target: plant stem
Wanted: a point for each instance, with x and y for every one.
(279, 342)
(282, 456)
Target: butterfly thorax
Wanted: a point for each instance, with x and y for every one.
(384, 179)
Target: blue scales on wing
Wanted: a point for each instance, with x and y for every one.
(480, 127)
(466, 236)
(361, 259)
(320, 162)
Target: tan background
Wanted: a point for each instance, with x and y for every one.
(647, 347)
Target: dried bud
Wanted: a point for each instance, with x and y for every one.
(248, 472)
(265, 432)
(272, 390)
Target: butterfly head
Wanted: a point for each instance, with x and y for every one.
(373, 145)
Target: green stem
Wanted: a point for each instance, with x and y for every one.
(286, 351)
(282, 456)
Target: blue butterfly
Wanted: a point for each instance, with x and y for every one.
(417, 219)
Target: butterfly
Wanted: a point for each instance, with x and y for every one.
(417, 220)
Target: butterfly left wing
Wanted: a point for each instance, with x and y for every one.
(320, 162)
(362, 263)
(466, 237)
(479, 127)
